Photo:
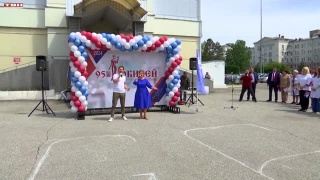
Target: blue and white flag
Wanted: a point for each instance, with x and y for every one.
(200, 79)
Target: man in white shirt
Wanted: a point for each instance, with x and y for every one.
(119, 92)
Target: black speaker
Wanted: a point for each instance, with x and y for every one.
(193, 63)
(41, 63)
(138, 28)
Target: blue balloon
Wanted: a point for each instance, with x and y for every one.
(81, 49)
(174, 45)
(130, 49)
(145, 39)
(118, 45)
(74, 79)
(85, 55)
(86, 94)
(171, 85)
(83, 89)
(78, 84)
(72, 38)
(167, 94)
(71, 74)
(175, 81)
(168, 90)
(108, 37)
(169, 55)
(104, 35)
(77, 42)
(149, 38)
(135, 47)
(169, 48)
(113, 41)
(140, 43)
(175, 51)
(178, 42)
(167, 60)
(122, 49)
(177, 77)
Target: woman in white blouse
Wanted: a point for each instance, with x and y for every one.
(315, 91)
(304, 83)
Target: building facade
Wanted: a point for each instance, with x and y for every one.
(41, 27)
(292, 52)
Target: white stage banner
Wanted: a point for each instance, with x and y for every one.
(103, 64)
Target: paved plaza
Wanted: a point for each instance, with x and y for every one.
(263, 140)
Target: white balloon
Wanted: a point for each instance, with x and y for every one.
(74, 109)
(71, 64)
(73, 69)
(74, 48)
(144, 47)
(168, 64)
(83, 39)
(171, 40)
(82, 98)
(77, 74)
(84, 64)
(73, 84)
(82, 79)
(78, 93)
(136, 38)
(171, 94)
(171, 77)
(74, 89)
(179, 47)
(175, 89)
(85, 103)
(176, 56)
(123, 42)
(171, 59)
(78, 35)
(108, 44)
(118, 37)
(168, 98)
(81, 59)
(161, 47)
(70, 44)
(94, 34)
(88, 43)
(85, 83)
(168, 81)
(94, 47)
(73, 34)
(149, 44)
(100, 37)
(175, 73)
(113, 36)
(127, 46)
(71, 103)
(104, 41)
(178, 85)
(77, 53)
(132, 42)
(166, 43)
(177, 68)
(153, 40)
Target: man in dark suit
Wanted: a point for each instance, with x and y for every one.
(273, 83)
(254, 82)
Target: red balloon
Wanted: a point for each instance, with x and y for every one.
(153, 47)
(76, 64)
(73, 58)
(149, 49)
(178, 61)
(131, 36)
(98, 44)
(71, 53)
(170, 70)
(83, 33)
(74, 97)
(165, 38)
(81, 69)
(94, 40)
(180, 58)
(127, 38)
(162, 40)
(81, 109)
(77, 103)
(174, 64)
(122, 35)
(72, 94)
(103, 48)
(167, 74)
(157, 43)
(177, 93)
(85, 74)
(174, 98)
(171, 103)
(89, 35)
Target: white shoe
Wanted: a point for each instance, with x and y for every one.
(124, 118)
(111, 119)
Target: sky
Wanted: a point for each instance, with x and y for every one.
(227, 21)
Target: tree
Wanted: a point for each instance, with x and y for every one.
(301, 65)
(238, 57)
(211, 50)
(281, 67)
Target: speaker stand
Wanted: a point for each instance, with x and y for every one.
(190, 100)
(45, 106)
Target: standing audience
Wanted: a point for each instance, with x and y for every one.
(295, 87)
(246, 86)
(315, 91)
(273, 83)
(284, 86)
(304, 83)
(254, 82)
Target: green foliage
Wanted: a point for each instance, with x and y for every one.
(211, 50)
(238, 57)
(301, 65)
(281, 67)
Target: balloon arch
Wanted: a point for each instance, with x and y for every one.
(79, 42)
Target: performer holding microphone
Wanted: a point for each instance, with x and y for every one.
(246, 85)
(142, 98)
(119, 92)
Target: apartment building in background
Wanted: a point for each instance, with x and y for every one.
(225, 48)
(292, 52)
(41, 27)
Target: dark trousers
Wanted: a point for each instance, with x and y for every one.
(244, 89)
(253, 86)
(184, 92)
(304, 100)
(315, 104)
(273, 86)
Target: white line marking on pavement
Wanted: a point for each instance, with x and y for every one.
(43, 158)
(135, 131)
(229, 157)
(152, 176)
(286, 166)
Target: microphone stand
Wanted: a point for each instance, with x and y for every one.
(232, 90)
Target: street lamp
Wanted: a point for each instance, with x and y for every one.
(261, 36)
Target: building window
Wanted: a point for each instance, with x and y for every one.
(29, 4)
(270, 60)
(270, 54)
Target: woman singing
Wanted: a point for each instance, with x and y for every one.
(142, 99)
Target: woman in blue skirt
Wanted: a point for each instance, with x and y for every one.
(142, 99)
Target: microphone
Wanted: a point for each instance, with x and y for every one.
(120, 74)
